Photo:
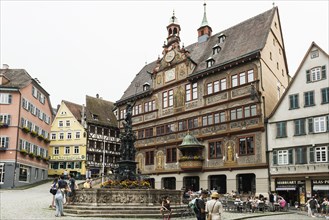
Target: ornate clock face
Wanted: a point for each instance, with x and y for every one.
(170, 56)
(170, 75)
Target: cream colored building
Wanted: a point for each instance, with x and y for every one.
(67, 149)
(219, 90)
(298, 132)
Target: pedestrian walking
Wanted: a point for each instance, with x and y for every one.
(59, 197)
(201, 205)
(214, 208)
(53, 186)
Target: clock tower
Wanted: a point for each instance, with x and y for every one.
(173, 29)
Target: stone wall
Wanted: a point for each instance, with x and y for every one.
(134, 197)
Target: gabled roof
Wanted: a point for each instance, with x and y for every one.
(240, 42)
(313, 44)
(75, 109)
(19, 78)
(102, 109)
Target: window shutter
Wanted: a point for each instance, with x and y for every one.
(312, 155)
(275, 157)
(8, 120)
(20, 144)
(299, 156)
(323, 72)
(290, 156)
(9, 98)
(327, 119)
(310, 125)
(64, 164)
(291, 102)
(308, 76)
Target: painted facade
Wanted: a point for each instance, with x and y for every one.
(25, 117)
(219, 90)
(298, 132)
(67, 149)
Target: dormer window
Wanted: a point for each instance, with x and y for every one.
(94, 116)
(146, 86)
(216, 49)
(221, 38)
(210, 62)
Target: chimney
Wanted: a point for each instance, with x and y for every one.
(5, 66)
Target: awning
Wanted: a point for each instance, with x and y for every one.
(321, 187)
(285, 188)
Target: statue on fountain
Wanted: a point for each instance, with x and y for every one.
(127, 165)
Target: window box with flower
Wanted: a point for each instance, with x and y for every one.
(41, 137)
(3, 125)
(46, 140)
(39, 157)
(25, 129)
(24, 152)
(31, 154)
(34, 133)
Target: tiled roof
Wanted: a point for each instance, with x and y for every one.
(75, 109)
(241, 40)
(102, 109)
(18, 78)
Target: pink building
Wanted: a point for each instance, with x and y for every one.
(25, 122)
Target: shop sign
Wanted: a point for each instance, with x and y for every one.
(69, 157)
(286, 182)
(320, 182)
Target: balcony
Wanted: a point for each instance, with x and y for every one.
(192, 151)
(191, 163)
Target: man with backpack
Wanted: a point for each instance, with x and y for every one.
(200, 204)
(313, 205)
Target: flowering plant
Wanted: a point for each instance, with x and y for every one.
(126, 184)
(25, 129)
(185, 158)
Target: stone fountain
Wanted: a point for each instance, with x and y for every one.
(122, 202)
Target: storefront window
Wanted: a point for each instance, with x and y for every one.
(23, 172)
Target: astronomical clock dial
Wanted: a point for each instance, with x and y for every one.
(170, 56)
(170, 75)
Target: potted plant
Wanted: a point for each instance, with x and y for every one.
(24, 152)
(41, 137)
(38, 157)
(25, 129)
(31, 154)
(3, 125)
(34, 133)
(46, 140)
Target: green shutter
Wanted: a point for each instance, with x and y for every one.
(9, 99)
(327, 119)
(275, 157)
(290, 156)
(308, 76)
(312, 155)
(64, 164)
(323, 72)
(310, 125)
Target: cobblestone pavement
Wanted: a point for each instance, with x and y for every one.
(33, 203)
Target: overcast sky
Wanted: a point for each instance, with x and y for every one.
(79, 48)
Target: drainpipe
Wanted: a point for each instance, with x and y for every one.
(17, 140)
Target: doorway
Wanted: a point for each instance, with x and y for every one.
(246, 183)
(192, 182)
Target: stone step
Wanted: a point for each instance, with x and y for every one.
(121, 211)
